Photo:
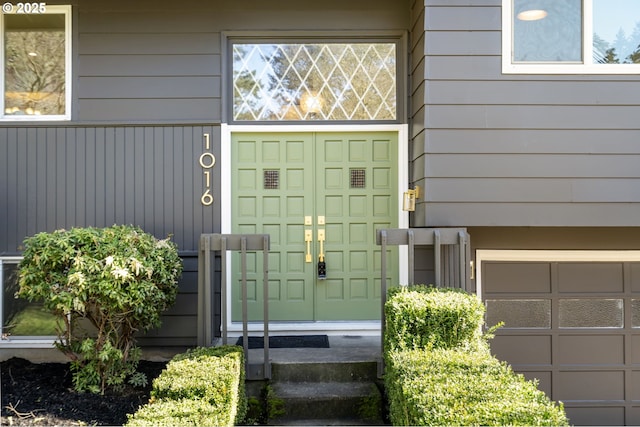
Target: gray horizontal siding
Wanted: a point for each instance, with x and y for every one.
(149, 65)
(524, 117)
(165, 43)
(563, 93)
(179, 322)
(463, 43)
(162, 77)
(60, 177)
(146, 62)
(514, 214)
(533, 141)
(145, 87)
(532, 166)
(545, 190)
(463, 67)
(248, 14)
(452, 17)
(515, 150)
(152, 110)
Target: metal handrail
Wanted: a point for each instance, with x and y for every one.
(411, 237)
(224, 243)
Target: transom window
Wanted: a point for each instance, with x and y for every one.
(36, 52)
(314, 81)
(571, 36)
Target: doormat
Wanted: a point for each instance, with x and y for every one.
(290, 341)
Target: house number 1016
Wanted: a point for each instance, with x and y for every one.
(207, 161)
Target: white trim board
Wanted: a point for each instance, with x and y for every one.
(403, 217)
(358, 328)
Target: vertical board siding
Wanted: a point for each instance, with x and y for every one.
(520, 150)
(63, 177)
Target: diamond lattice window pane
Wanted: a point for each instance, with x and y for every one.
(335, 81)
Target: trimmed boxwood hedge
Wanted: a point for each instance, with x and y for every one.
(204, 386)
(183, 412)
(454, 387)
(426, 317)
(440, 371)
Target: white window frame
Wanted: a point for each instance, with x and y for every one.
(66, 10)
(43, 341)
(583, 67)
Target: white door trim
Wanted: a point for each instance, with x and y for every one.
(226, 130)
(483, 255)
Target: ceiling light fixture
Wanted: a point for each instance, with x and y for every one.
(532, 15)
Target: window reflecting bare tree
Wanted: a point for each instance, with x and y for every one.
(34, 64)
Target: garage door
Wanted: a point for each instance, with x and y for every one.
(572, 320)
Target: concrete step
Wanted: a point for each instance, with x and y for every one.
(327, 422)
(324, 386)
(346, 403)
(324, 371)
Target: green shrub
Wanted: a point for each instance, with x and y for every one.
(205, 386)
(183, 412)
(426, 317)
(456, 387)
(104, 285)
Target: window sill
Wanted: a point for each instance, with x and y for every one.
(30, 342)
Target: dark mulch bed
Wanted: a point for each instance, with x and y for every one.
(42, 394)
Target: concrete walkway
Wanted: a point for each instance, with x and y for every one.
(341, 349)
(345, 348)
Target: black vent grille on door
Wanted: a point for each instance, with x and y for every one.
(358, 178)
(271, 179)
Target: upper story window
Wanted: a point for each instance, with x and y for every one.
(36, 61)
(571, 36)
(314, 81)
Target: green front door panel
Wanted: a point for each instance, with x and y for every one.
(350, 179)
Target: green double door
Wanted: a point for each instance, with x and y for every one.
(319, 196)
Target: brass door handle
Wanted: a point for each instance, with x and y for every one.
(321, 239)
(308, 237)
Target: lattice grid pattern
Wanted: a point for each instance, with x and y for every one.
(331, 81)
